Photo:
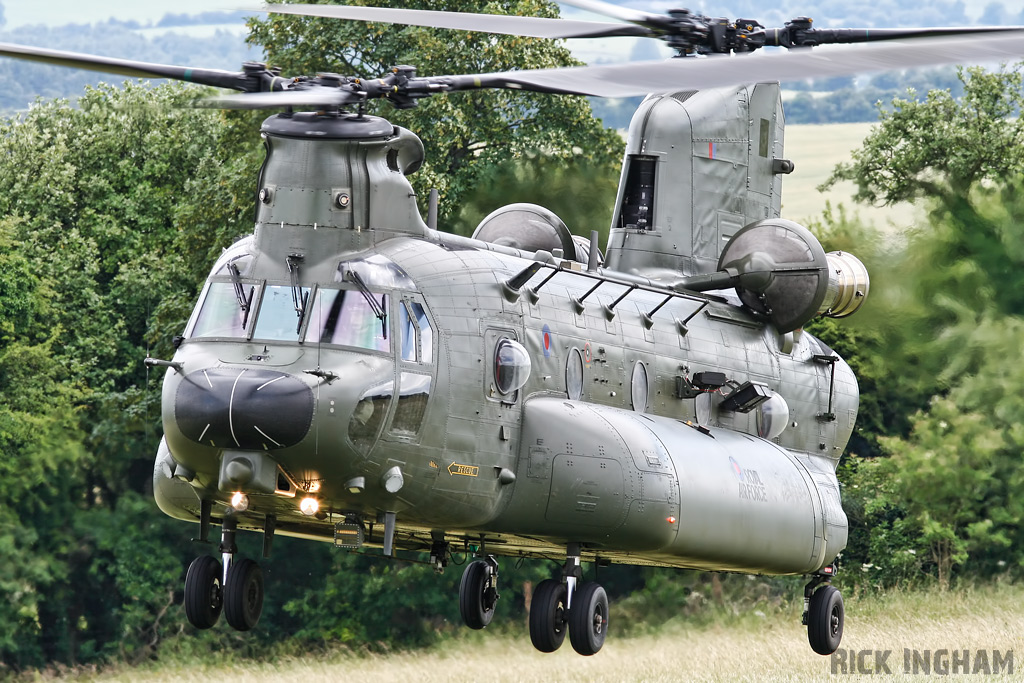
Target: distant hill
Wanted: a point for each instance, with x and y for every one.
(175, 39)
(169, 42)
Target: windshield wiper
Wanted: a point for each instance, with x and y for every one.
(244, 302)
(298, 298)
(377, 308)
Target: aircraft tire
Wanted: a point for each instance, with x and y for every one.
(825, 618)
(588, 618)
(547, 615)
(476, 596)
(204, 596)
(243, 594)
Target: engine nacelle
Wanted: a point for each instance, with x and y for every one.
(782, 273)
(530, 227)
(848, 285)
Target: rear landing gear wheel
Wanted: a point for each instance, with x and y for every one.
(547, 615)
(588, 618)
(243, 594)
(204, 596)
(825, 620)
(478, 592)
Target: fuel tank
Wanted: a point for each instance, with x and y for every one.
(667, 491)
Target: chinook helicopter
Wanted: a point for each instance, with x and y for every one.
(353, 375)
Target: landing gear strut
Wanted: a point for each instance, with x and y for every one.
(823, 614)
(236, 587)
(565, 605)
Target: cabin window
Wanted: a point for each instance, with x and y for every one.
(278, 320)
(347, 317)
(221, 314)
(414, 390)
(368, 416)
(574, 374)
(417, 337)
(640, 387)
(511, 366)
(772, 417)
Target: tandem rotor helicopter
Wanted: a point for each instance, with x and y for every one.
(350, 374)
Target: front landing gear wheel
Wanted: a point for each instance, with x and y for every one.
(825, 620)
(478, 593)
(204, 595)
(243, 594)
(547, 615)
(588, 618)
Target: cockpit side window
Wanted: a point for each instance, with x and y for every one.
(345, 317)
(222, 314)
(417, 336)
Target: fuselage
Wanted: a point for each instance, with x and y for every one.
(347, 367)
(417, 391)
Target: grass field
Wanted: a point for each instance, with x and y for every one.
(741, 647)
(816, 150)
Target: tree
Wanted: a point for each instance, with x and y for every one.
(942, 146)
(89, 249)
(944, 497)
(464, 133)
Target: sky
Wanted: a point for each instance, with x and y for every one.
(59, 12)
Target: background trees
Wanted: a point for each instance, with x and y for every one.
(113, 211)
(939, 496)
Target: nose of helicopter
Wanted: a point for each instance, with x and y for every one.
(249, 408)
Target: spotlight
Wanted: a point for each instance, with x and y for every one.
(309, 506)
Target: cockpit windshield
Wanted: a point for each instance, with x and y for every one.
(345, 317)
(278, 320)
(353, 317)
(221, 315)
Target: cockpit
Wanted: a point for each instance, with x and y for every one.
(354, 311)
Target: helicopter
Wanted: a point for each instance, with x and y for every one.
(352, 374)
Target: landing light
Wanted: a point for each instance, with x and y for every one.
(239, 501)
(309, 506)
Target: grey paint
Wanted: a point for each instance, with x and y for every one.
(527, 473)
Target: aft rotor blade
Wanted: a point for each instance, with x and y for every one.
(535, 27)
(639, 78)
(778, 37)
(127, 67)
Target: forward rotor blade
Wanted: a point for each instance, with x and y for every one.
(126, 67)
(615, 12)
(640, 78)
(321, 98)
(535, 27)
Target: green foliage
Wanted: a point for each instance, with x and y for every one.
(364, 600)
(89, 248)
(942, 146)
(938, 496)
(576, 191)
(464, 134)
